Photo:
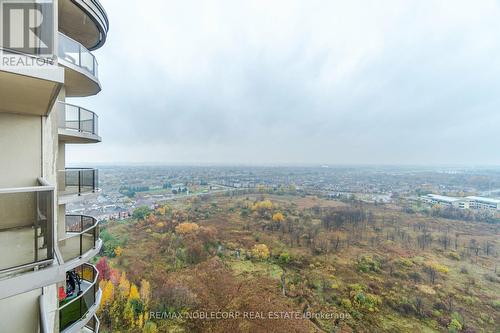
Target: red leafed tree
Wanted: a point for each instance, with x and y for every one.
(103, 268)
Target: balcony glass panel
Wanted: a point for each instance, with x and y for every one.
(75, 118)
(80, 295)
(76, 54)
(77, 181)
(82, 236)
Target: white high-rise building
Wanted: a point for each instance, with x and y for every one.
(46, 281)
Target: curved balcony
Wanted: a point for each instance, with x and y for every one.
(76, 184)
(81, 78)
(80, 301)
(82, 240)
(85, 21)
(77, 125)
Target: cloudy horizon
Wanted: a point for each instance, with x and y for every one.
(298, 82)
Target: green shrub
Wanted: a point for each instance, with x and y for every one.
(356, 287)
(367, 264)
(346, 304)
(284, 258)
(406, 262)
(367, 301)
(141, 213)
(469, 300)
(454, 326)
(458, 317)
(437, 313)
(110, 243)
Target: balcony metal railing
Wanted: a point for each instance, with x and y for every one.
(102, 12)
(93, 325)
(82, 236)
(102, 17)
(75, 53)
(75, 118)
(78, 181)
(26, 227)
(75, 308)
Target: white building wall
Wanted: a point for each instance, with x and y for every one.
(20, 150)
(20, 313)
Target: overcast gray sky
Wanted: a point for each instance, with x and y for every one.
(285, 82)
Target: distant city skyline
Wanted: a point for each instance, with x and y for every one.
(433, 167)
(298, 83)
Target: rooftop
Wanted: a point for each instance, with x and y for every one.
(444, 198)
(485, 200)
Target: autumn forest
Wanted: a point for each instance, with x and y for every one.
(262, 262)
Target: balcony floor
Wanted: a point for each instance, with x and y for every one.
(86, 330)
(70, 196)
(72, 136)
(74, 190)
(21, 247)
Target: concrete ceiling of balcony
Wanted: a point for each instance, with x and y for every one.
(79, 84)
(76, 24)
(31, 92)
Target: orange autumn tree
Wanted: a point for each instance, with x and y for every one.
(163, 210)
(124, 285)
(278, 217)
(263, 208)
(118, 251)
(151, 219)
(260, 251)
(187, 228)
(277, 221)
(145, 293)
(107, 297)
(124, 305)
(262, 205)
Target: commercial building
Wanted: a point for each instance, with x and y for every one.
(46, 282)
(471, 202)
(484, 203)
(446, 201)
